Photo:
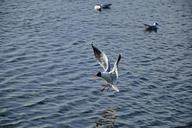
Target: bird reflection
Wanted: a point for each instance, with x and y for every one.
(107, 119)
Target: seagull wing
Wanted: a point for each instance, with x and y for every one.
(114, 71)
(101, 58)
(147, 25)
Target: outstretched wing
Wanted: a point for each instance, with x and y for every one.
(114, 71)
(101, 58)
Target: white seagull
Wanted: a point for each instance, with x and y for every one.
(98, 7)
(151, 27)
(110, 76)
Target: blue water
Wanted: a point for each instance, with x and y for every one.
(47, 64)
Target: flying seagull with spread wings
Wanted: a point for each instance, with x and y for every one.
(110, 76)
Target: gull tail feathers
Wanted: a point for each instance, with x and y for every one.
(115, 67)
(115, 88)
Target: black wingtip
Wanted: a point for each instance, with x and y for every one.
(92, 45)
(94, 48)
(119, 57)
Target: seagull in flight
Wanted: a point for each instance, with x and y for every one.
(151, 28)
(110, 76)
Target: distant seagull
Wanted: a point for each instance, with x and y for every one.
(110, 76)
(151, 28)
(99, 7)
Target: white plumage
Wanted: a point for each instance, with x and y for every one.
(110, 76)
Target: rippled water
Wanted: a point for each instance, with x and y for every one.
(47, 64)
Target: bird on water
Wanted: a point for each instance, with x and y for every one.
(152, 27)
(99, 7)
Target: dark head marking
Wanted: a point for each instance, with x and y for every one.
(155, 24)
(98, 74)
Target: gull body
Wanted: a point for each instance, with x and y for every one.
(99, 7)
(110, 76)
(151, 28)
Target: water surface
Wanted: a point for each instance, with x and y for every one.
(47, 64)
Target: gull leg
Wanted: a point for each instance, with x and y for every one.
(106, 87)
(103, 89)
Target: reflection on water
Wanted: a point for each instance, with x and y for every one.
(107, 119)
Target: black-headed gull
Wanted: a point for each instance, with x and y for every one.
(110, 76)
(151, 28)
(98, 7)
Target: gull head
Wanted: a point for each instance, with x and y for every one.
(98, 7)
(155, 24)
(98, 74)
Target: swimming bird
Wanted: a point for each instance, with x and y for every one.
(110, 76)
(99, 7)
(151, 28)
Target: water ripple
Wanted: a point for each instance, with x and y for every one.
(47, 64)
